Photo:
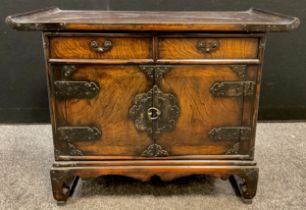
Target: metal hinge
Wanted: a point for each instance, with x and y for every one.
(233, 88)
(230, 133)
(154, 73)
(76, 89)
(78, 133)
(155, 111)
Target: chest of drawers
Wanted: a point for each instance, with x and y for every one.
(145, 94)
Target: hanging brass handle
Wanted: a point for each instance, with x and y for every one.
(153, 113)
(208, 47)
(107, 45)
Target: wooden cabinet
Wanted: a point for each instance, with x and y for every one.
(140, 94)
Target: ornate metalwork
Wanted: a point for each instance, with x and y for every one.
(68, 149)
(107, 45)
(57, 152)
(154, 150)
(73, 150)
(233, 88)
(67, 70)
(230, 133)
(240, 70)
(234, 150)
(69, 134)
(76, 89)
(154, 72)
(138, 112)
(78, 133)
(154, 111)
(208, 47)
(251, 152)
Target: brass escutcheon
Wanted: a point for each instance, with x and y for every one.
(153, 113)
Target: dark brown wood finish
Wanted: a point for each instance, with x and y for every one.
(55, 19)
(160, 93)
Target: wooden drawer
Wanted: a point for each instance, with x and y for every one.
(207, 48)
(101, 47)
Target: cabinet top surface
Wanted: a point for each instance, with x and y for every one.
(55, 19)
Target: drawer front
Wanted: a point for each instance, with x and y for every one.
(100, 47)
(106, 110)
(207, 48)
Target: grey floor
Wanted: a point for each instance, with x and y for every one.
(26, 156)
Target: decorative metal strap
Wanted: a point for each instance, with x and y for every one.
(240, 70)
(154, 72)
(154, 111)
(233, 88)
(154, 150)
(230, 133)
(76, 89)
(78, 133)
(154, 119)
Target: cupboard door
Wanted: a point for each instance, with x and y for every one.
(204, 107)
(107, 110)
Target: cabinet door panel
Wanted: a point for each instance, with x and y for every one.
(108, 111)
(200, 111)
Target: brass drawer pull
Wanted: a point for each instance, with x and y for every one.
(107, 45)
(153, 113)
(208, 47)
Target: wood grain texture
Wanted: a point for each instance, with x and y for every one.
(147, 37)
(60, 176)
(247, 147)
(109, 110)
(199, 110)
(122, 47)
(251, 106)
(186, 48)
(55, 19)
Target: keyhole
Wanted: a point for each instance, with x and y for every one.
(153, 113)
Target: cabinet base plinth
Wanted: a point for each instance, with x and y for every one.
(243, 174)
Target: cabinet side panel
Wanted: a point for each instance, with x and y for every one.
(57, 108)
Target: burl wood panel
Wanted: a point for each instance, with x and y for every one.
(186, 48)
(109, 110)
(199, 110)
(122, 47)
